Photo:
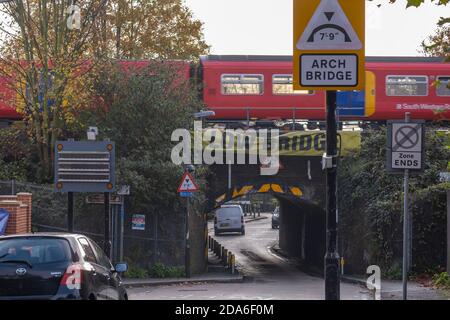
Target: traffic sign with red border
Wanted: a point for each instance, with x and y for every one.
(187, 184)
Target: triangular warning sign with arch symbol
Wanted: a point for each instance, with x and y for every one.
(329, 29)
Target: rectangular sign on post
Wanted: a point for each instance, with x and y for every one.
(85, 166)
(138, 222)
(329, 44)
(405, 146)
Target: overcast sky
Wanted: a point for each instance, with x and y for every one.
(265, 26)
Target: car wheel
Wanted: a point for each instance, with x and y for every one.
(273, 227)
(216, 233)
(243, 231)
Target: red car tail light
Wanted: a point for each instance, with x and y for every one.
(73, 276)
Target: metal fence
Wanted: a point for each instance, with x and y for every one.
(160, 240)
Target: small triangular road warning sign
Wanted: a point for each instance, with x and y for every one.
(329, 29)
(187, 184)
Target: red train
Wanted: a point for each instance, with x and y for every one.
(259, 88)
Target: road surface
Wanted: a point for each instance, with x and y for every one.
(273, 276)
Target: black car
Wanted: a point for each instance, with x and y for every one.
(276, 218)
(55, 266)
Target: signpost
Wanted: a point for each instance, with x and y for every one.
(86, 166)
(186, 189)
(329, 54)
(405, 155)
(445, 177)
(329, 45)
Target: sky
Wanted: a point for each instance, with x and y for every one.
(264, 27)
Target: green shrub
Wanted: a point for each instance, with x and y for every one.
(159, 270)
(395, 272)
(442, 280)
(136, 272)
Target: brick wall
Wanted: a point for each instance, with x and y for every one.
(19, 208)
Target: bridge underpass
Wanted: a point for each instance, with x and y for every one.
(299, 188)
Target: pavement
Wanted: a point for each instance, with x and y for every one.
(204, 278)
(251, 218)
(393, 289)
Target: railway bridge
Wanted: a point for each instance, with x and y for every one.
(299, 187)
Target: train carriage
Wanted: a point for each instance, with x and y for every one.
(260, 87)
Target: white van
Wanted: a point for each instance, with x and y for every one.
(229, 218)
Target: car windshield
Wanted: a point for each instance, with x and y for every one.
(228, 212)
(35, 250)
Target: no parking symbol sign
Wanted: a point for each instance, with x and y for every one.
(405, 146)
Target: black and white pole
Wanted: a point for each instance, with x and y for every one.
(406, 226)
(332, 275)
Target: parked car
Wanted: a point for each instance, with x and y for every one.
(229, 218)
(276, 218)
(55, 266)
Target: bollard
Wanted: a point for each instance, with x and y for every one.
(233, 263)
(225, 257)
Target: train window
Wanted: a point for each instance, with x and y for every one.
(242, 84)
(282, 85)
(442, 87)
(407, 86)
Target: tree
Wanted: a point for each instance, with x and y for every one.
(372, 212)
(146, 29)
(43, 59)
(140, 110)
(50, 66)
(438, 45)
(142, 107)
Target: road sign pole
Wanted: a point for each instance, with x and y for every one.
(122, 222)
(405, 234)
(448, 232)
(188, 246)
(332, 277)
(107, 245)
(70, 212)
(406, 226)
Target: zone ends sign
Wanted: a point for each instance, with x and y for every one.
(329, 44)
(405, 146)
(85, 166)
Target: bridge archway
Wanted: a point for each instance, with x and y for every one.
(302, 217)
